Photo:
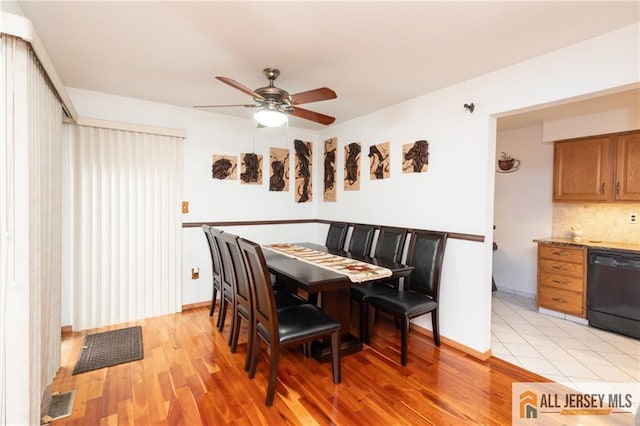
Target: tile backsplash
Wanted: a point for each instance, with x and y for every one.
(605, 222)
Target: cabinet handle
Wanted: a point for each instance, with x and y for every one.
(557, 299)
(602, 189)
(559, 253)
(561, 268)
(617, 188)
(560, 282)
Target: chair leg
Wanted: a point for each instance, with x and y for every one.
(222, 312)
(371, 317)
(250, 343)
(306, 349)
(404, 340)
(364, 322)
(436, 331)
(213, 300)
(273, 375)
(253, 356)
(234, 314)
(335, 356)
(235, 333)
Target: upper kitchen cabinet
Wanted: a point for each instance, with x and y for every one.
(628, 167)
(597, 168)
(581, 169)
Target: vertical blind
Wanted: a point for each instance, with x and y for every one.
(127, 188)
(30, 247)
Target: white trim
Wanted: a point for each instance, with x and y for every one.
(21, 27)
(130, 127)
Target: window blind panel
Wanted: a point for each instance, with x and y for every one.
(127, 251)
(31, 246)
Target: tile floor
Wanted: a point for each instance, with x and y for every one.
(558, 349)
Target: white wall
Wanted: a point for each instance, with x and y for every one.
(523, 209)
(615, 120)
(456, 194)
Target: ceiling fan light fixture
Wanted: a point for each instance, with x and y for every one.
(270, 117)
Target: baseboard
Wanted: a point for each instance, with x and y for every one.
(190, 306)
(517, 292)
(482, 356)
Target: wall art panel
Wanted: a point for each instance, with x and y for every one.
(251, 172)
(352, 166)
(415, 157)
(224, 167)
(304, 193)
(329, 190)
(379, 161)
(278, 169)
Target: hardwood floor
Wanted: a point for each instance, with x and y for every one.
(189, 377)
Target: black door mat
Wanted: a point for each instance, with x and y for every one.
(61, 406)
(110, 348)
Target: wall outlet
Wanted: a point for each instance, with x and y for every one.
(185, 207)
(633, 217)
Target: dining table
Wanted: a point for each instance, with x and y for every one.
(332, 286)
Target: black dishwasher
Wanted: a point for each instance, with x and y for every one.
(613, 291)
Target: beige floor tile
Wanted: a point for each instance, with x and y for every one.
(558, 349)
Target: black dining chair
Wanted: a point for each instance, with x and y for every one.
(243, 304)
(420, 295)
(361, 239)
(227, 294)
(336, 235)
(294, 325)
(242, 294)
(390, 244)
(389, 248)
(216, 267)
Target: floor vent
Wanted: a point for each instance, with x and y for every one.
(61, 406)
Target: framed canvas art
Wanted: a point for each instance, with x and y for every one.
(329, 189)
(278, 169)
(303, 152)
(415, 157)
(352, 166)
(251, 172)
(379, 161)
(224, 167)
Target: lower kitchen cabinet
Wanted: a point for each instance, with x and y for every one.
(562, 275)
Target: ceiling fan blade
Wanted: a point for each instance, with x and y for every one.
(225, 106)
(315, 95)
(312, 116)
(240, 87)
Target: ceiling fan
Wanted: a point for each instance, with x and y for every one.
(275, 103)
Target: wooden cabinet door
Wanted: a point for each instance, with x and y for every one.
(581, 169)
(628, 167)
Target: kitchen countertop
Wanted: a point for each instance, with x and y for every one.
(611, 245)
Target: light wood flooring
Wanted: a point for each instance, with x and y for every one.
(189, 377)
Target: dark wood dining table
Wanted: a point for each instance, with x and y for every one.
(333, 287)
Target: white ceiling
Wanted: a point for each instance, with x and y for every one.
(373, 54)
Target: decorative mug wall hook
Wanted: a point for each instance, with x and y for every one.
(507, 163)
(470, 107)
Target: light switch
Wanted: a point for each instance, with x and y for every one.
(185, 207)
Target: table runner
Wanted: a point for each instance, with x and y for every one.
(356, 270)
